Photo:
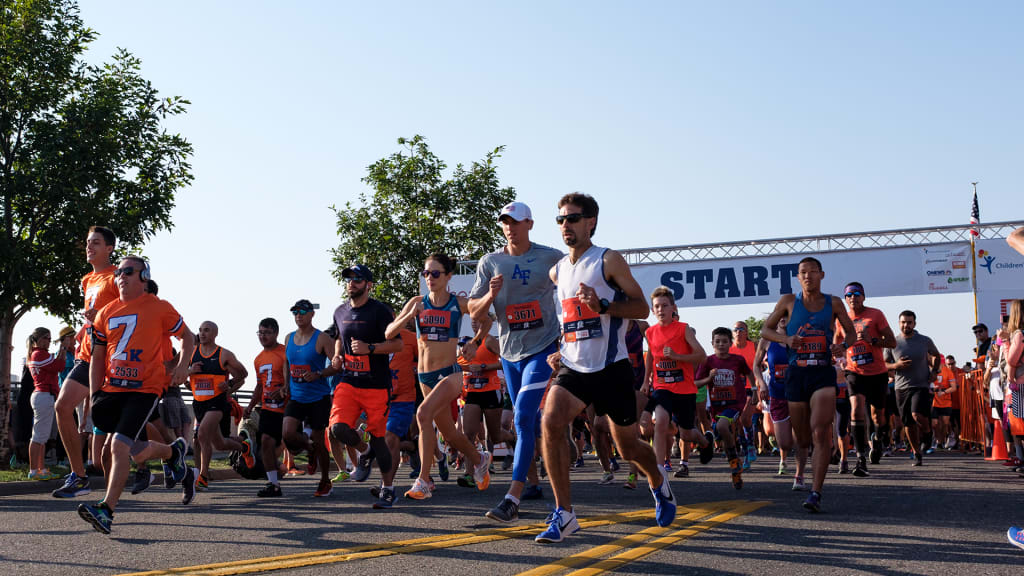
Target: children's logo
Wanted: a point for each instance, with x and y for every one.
(988, 258)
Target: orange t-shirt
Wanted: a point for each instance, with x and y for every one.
(403, 369)
(133, 333)
(99, 290)
(486, 381)
(747, 352)
(944, 380)
(671, 375)
(863, 358)
(269, 366)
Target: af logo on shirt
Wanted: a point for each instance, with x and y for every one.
(521, 273)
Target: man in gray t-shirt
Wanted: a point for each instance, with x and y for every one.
(515, 281)
(915, 360)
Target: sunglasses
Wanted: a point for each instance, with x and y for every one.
(739, 329)
(571, 218)
(431, 273)
(355, 279)
(300, 312)
(126, 271)
(854, 293)
(978, 331)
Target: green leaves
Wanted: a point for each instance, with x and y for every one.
(414, 211)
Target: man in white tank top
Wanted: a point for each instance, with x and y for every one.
(598, 294)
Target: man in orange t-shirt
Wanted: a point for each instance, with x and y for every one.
(271, 393)
(126, 377)
(944, 389)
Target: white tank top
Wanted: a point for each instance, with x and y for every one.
(590, 342)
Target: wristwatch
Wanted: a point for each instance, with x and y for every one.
(372, 348)
(604, 306)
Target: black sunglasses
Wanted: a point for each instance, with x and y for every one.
(355, 279)
(126, 271)
(572, 218)
(429, 273)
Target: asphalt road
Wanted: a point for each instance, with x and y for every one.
(947, 517)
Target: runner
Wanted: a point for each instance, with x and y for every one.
(100, 290)
(403, 407)
(777, 358)
(810, 377)
(747, 349)
(635, 336)
(126, 378)
(309, 394)
(915, 359)
(669, 368)
(271, 394)
(214, 375)
(866, 376)
(942, 404)
(527, 335)
(595, 368)
(361, 354)
(726, 377)
(438, 315)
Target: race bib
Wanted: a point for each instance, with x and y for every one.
(297, 370)
(435, 325)
(813, 351)
(524, 316)
(357, 364)
(204, 386)
(125, 374)
(477, 382)
(780, 371)
(723, 388)
(579, 322)
(860, 354)
(668, 372)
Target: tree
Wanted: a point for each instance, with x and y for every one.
(414, 211)
(79, 145)
(754, 326)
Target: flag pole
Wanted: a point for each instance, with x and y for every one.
(974, 257)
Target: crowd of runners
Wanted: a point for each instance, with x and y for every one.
(829, 376)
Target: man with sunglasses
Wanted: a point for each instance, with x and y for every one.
(361, 355)
(127, 376)
(514, 280)
(598, 294)
(867, 377)
(307, 351)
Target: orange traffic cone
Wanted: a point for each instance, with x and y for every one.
(998, 444)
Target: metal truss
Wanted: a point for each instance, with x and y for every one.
(805, 244)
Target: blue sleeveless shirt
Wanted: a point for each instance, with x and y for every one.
(439, 324)
(300, 359)
(815, 329)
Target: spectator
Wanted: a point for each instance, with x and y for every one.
(45, 368)
(67, 347)
(1015, 378)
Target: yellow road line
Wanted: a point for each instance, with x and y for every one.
(404, 546)
(632, 555)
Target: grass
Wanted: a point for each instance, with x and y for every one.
(21, 474)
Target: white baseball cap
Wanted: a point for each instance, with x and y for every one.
(516, 211)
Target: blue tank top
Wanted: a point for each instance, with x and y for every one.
(816, 331)
(778, 361)
(301, 359)
(439, 324)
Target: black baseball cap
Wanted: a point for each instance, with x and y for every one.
(357, 270)
(978, 327)
(303, 305)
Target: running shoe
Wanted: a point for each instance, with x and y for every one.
(614, 464)
(312, 467)
(386, 499)
(99, 516)
(683, 472)
(188, 485)
(918, 460)
(798, 484)
(561, 523)
(323, 488)
(607, 478)
(42, 475)
(844, 467)
(177, 459)
(507, 462)
(342, 476)
(708, 452)
(293, 472)
(579, 463)
(202, 483)
(247, 455)
(861, 470)
(1016, 537)
(73, 486)
(466, 481)
(783, 469)
(481, 472)
(813, 502)
(419, 491)
(751, 454)
(442, 468)
(664, 504)
(169, 482)
(505, 511)
(271, 490)
(532, 492)
(875, 454)
(745, 464)
(667, 465)
(362, 471)
(736, 468)
(143, 479)
(630, 483)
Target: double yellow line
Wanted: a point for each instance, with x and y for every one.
(637, 545)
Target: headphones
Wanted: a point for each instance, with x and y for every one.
(145, 274)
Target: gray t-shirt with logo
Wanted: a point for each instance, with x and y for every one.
(917, 348)
(525, 306)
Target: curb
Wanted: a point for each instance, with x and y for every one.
(95, 483)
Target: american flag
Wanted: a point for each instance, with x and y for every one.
(975, 215)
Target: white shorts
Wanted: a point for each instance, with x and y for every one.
(42, 416)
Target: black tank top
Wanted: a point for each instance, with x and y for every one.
(210, 364)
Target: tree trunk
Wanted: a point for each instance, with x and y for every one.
(7, 322)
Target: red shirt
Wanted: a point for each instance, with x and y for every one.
(728, 389)
(45, 369)
(671, 375)
(863, 358)
(403, 369)
(269, 366)
(99, 290)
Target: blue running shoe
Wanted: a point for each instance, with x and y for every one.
(1016, 537)
(664, 506)
(561, 523)
(177, 459)
(73, 486)
(532, 492)
(813, 502)
(751, 454)
(99, 516)
(169, 482)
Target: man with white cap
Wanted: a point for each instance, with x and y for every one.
(514, 279)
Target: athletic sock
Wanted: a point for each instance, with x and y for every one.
(860, 437)
(272, 477)
(512, 498)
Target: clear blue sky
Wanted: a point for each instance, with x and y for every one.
(689, 122)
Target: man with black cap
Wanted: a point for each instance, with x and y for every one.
(527, 333)
(361, 355)
(308, 351)
(984, 340)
